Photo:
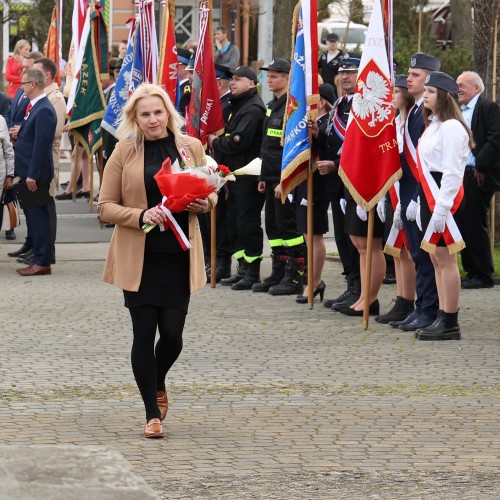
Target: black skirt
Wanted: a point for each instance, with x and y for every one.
(425, 211)
(354, 226)
(320, 206)
(164, 282)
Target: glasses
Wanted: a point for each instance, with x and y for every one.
(24, 83)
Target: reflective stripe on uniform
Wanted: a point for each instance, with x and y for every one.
(274, 132)
(269, 112)
(277, 243)
(294, 241)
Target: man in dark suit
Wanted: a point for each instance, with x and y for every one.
(482, 174)
(426, 305)
(34, 165)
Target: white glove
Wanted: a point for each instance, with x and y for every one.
(343, 204)
(362, 213)
(418, 219)
(397, 220)
(411, 211)
(438, 219)
(381, 209)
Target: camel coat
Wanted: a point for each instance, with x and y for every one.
(122, 199)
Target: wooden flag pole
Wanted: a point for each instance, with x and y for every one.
(213, 213)
(91, 168)
(368, 274)
(74, 171)
(493, 98)
(310, 239)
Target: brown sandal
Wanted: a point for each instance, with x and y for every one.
(153, 429)
(162, 400)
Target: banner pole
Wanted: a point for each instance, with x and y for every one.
(91, 168)
(368, 274)
(310, 239)
(74, 171)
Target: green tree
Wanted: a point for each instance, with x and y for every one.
(356, 11)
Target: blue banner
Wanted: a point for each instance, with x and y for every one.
(296, 146)
(119, 97)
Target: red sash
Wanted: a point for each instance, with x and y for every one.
(451, 235)
(397, 237)
(409, 150)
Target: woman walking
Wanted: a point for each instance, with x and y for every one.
(155, 273)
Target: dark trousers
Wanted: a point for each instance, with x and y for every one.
(53, 231)
(281, 222)
(349, 256)
(477, 260)
(245, 205)
(38, 223)
(427, 297)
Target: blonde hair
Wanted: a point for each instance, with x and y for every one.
(20, 44)
(129, 129)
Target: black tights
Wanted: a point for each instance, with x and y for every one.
(151, 363)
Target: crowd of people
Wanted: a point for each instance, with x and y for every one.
(449, 155)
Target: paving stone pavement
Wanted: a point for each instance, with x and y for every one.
(269, 399)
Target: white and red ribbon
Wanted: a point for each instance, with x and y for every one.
(397, 237)
(173, 225)
(451, 235)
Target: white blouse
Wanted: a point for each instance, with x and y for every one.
(444, 147)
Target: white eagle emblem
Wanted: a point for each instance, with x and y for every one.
(371, 101)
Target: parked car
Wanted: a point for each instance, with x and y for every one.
(351, 35)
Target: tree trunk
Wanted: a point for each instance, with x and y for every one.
(462, 28)
(282, 37)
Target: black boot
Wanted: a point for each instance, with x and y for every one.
(222, 269)
(26, 246)
(240, 272)
(446, 327)
(277, 274)
(252, 276)
(402, 307)
(293, 282)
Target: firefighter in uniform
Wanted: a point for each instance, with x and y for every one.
(287, 244)
(240, 145)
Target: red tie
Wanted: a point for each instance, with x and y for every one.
(28, 109)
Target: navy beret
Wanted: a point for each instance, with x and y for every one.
(183, 56)
(401, 81)
(421, 60)
(441, 81)
(327, 92)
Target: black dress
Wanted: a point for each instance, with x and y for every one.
(165, 275)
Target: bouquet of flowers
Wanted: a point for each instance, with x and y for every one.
(180, 186)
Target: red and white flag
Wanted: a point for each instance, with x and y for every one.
(370, 161)
(205, 108)
(168, 68)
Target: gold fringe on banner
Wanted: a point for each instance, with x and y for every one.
(395, 252)
(359, 199)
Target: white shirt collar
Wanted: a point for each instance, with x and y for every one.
(36, 99)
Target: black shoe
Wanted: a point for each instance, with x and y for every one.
(64, 196)
(445, 327)
(474, 283)
(231, 280)
(400, 311)
(24, 249)
(328, 303)
(26, 257)
(422, 321)
(286, 288)
(10, 235)
(302, 299)
(389, 279)
(245, 283)
(374, 309)
(83, 194)
(412, 316)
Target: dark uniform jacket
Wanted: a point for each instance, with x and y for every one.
(329, 70)
(243, 138)
(485, 127)
(272, 151)
(226, 106)
(330, 143)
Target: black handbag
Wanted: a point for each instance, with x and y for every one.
(9, 211)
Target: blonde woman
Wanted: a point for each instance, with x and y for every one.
(155, 273)
(14, 67)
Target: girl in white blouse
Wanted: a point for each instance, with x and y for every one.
(442, 153)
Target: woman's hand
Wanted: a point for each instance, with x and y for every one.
(9, 181)
(154, 216)
(199, 205)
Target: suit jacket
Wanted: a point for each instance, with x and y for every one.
(485, 127)
(15, 115)
(33, 153)
(122, 200)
